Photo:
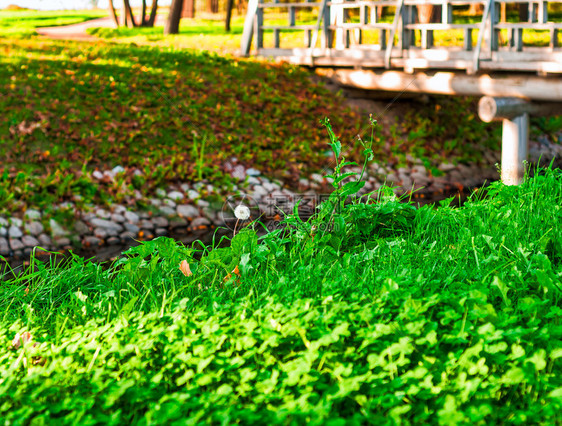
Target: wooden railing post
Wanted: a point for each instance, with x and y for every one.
(494, 33)
(397, 22)
(259, 24)
(553, 39)
(248, 32)
(482, 30)
(326, 42)
(407, 36)
(447, 13)
(336, 19)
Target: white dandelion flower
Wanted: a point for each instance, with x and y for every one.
(242, 212)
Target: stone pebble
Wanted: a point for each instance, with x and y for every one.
(14, 231)
(187, 211)
(4, 247)
(106, 224)
(16, 244)
(175, 196)
(29, 241)
(122, 224)
(32, 214)
(167, 211)
(131, 217)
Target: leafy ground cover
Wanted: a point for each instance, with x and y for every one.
(177, 115)
(368, 313)
(22, 23)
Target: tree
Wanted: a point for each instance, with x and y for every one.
(229, 6)
(173, 22)
(188, 9)
(113, 12)
(129, 18)
(213, 6)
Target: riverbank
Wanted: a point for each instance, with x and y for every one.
(186, 207)
(108, 143)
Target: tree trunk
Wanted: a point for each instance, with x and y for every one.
(241, 5)
(212, 6)
(173, 22)
(429, 14)
(523, 12)
(125, 16)
(152, 18)
(229, 6)
(476, 9)
(188, 10)
(143, 14)
(129, 11)
(113, 13)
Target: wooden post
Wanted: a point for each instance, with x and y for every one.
(467, 42)
(543, 12)
(447, 13)
(336, 18)
(553, 38)
(259, 24)
(407, 36)
(292, 16)
(307, 37)
(494, 19)
(426, 39)
(248, 33)
(326, 42)
(382, 39)
(395, 27)
(345, 18)
(518, 39)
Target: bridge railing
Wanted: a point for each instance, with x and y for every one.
(403, 37)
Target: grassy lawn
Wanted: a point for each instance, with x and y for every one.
(23, 22)
(179, 114)
(369, 313)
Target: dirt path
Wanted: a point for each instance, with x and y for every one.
(76, 31)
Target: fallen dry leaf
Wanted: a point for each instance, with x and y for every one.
(184, 267)
(21, 339)
(236, 271)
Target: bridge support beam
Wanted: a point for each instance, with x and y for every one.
(515, 149)
(451, 83)
(514, 114)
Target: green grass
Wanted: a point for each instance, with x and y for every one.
(23, 23)
(203, 34)
(74, 107)
(368, 313)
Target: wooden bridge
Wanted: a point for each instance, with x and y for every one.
(513, 60)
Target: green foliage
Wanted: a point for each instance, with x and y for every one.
(177, 114)
(169, 113)
(408, 316)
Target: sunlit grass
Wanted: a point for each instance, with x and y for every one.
(383, 299)
(23, 23)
